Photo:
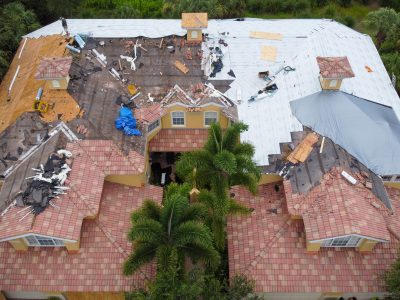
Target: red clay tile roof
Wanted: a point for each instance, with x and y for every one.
(336, 208)
(53, 67)
(92, 161)
(271, 249)
(178, 140)
(98, 264)
(335, 67)
(150, 113)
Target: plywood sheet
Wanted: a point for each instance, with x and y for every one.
(181, 67)
(268, 53)
(25, 87)
(303, 150)
(266, 35)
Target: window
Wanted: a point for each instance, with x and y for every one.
(55, 84)
(210, 117)
(194, 34)
(333, 83)
(178, 118)
(348, 241)
(34, 240)
(153, 126)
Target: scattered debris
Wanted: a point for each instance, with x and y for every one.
(216, 61)
(369, 70)
(46, 185)
(79, 41)
(100, 57)
(348, 177)
(72, 48)
(181, 67)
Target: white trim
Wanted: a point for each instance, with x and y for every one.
(354, 234)
(37, 237)
(204, 117)
(13, 80)
(187, 105)
(32, 233)
(22, 49)
(184, 119)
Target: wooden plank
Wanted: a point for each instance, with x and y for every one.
(181, 67)
(303, 150)
(266, 35)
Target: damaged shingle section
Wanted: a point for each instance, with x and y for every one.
(308, 174)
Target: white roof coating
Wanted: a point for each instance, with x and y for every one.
(270, 119)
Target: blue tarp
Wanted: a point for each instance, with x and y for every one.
(126, 122)
(367, 130)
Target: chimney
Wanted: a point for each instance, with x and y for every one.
(333, 70)
(194, 23)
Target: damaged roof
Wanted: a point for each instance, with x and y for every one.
(336, 208)
(270, 119)
(91, 162)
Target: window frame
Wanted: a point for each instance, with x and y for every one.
(35, 241)
(149, 129)
(172, 118)
(351, 241)
(57, 85)
(205, 118)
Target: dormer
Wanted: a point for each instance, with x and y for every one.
(194, 23)
(333, 70)
(55, 71)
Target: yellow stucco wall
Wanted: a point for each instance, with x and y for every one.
(130, 180)
(313, 247)
(19, 244)
(95, 295)
(395, 185)
(366, 245)
(269, 178)
(72, 247)
(193, 119)
(325, 83)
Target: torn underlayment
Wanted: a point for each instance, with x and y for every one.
(47, 184)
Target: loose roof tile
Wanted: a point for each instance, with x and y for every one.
(335, 67)
(149, 114)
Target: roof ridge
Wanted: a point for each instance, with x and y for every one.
(270, 243)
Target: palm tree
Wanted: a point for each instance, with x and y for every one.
(222, 163)
(386, 21)
(174, 229)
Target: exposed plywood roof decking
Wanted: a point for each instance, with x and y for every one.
(194, 20)
(24, 89)
(268, 53)
(266, 35)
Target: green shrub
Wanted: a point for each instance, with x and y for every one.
(348, 21)
(330, 11)
(345, 3)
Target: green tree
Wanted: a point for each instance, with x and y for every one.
(385, 21)
(15, 21)
(392, 280)
(170, 233)
(222, 163)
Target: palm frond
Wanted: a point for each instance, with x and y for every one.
(146, 230)
(195, 212)
(143, 253)
(209, 255)
(225, 161)
(236, 208)
(192, 232)
(150, 209)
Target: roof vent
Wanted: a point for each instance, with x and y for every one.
(333, 70)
